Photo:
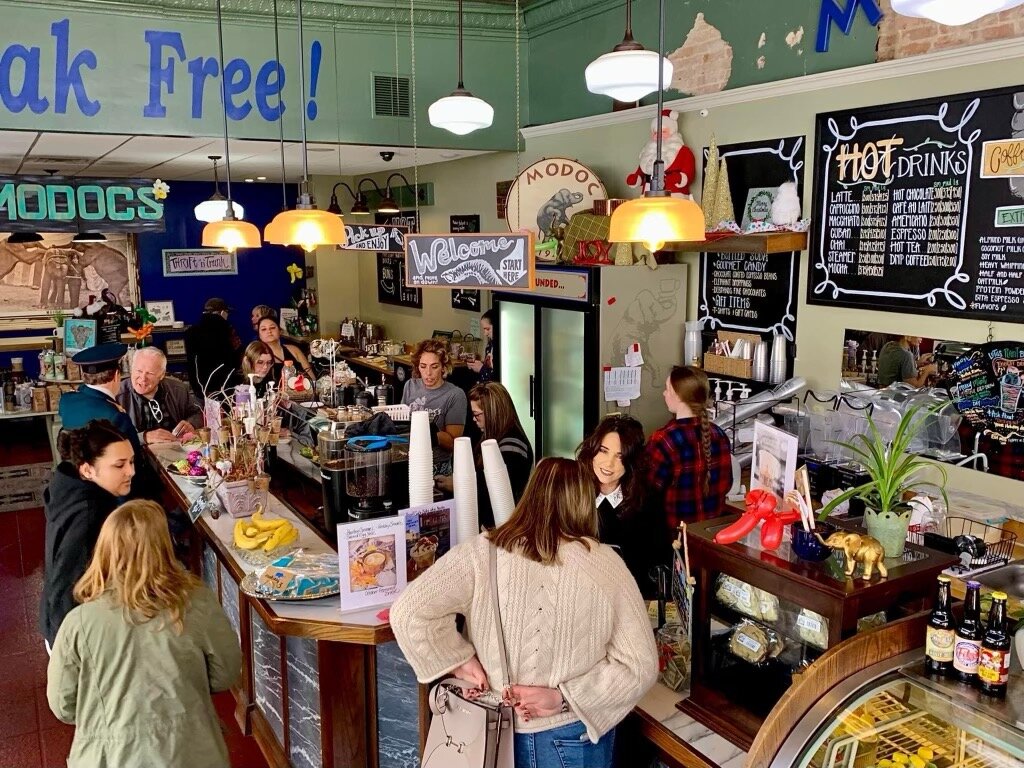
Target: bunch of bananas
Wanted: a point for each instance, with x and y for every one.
(259, 532)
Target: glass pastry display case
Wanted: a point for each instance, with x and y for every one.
(891, 715)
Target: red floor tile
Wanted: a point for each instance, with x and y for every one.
(21, 751)
(18, 719)
(55, 744)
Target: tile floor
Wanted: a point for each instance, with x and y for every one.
(30, 736)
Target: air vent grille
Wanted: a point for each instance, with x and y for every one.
(390, 96)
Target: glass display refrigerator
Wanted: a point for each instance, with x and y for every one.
(554, 341)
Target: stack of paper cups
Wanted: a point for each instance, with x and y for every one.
(421, 461)
(499, 489)
(467, 516)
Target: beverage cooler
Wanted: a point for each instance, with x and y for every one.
(554, 340)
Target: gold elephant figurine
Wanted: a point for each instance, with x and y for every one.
(857, 548)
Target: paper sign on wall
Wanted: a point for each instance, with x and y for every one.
(634, 357)
(622, 383)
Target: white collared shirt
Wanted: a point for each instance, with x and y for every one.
(614, 498)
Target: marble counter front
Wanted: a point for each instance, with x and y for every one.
(679, 735)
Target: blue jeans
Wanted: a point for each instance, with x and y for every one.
(564, 747)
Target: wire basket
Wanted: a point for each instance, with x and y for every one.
(998, 542)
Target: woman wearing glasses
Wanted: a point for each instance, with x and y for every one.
(258, 360)
(495, 416)
(270, 334)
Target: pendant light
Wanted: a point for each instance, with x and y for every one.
(952, 12)
(387, 202)
(657, 218)
(359, 207)
(24, 238)
(629, 72)
(214, 208)
(461, 112)
(306, 226)
(229, 233)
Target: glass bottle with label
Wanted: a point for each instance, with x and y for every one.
(969, 633)
(941, 633)
(288, 373)
(994, 662)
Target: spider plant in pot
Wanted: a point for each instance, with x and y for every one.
(895, 474)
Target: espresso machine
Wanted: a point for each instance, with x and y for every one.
(367, 481)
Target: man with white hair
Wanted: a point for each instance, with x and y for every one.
(161, 408)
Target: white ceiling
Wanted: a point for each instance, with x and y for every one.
(175, 157)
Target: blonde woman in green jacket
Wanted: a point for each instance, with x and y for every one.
(134, 665)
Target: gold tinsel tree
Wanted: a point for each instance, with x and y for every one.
(723, 208)
(709, 186)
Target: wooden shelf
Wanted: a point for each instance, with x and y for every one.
(767, 242)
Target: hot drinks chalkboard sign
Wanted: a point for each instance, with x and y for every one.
(985, 386)
(919, 207)
(755, 293)
(392, 287)
(501, 261)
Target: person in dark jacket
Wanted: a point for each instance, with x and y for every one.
(495, 416)
(161, 408)
(614, 453)
(213, 350)
(96, 469)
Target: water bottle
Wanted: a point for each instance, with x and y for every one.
(287, 374)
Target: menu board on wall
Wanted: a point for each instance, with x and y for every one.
(919, 207)
(391, 285)
(985, 387)
(750, 292)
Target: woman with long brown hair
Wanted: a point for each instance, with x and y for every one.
(134, 665)
(689, 459)
(429, 390)
(259, 361)
(614, 452)
(580, 648)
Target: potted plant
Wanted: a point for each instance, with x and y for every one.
(894, 474)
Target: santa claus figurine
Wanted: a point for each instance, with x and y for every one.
(680, 164)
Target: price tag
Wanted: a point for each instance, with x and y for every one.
(806, 622)
(748, 642)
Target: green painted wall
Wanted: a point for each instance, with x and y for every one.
(560, 50)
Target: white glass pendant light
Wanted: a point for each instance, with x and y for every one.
(629, 72)
(952, 12)
(216, 206)
(461, 112)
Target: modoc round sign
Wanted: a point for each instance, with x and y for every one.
(546, 195)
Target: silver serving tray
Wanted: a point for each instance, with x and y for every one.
(249, 583)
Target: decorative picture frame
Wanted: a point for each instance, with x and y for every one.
(175, 347)
(79, 333)
(162, 310)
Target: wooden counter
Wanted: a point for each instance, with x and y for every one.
(315, 682)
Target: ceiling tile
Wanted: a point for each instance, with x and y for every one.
(88, 145)
(16, 143)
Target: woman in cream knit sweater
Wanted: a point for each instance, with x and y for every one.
(581, 651)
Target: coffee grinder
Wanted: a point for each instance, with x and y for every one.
(331, 447)
(368, 479)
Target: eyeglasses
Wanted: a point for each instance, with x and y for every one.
(155, 410)
(478, 416)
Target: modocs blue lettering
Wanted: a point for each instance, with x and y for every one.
(28, 201)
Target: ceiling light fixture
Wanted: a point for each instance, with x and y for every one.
(215, 208)
(952, 13)
(629, 72)
(387, 203)
(359, 206)
(461, 112)
(657, 218)
(24, 238)
(306, 226)
(229, 233)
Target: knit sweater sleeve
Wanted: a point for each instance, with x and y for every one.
(423, 617)
(603, 695)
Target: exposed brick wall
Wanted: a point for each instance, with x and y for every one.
(704, 62)
(903, 36)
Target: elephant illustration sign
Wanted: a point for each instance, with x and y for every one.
(38, 279)
(483, 261)
(545, 196)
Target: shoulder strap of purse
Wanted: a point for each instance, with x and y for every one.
(493, 556)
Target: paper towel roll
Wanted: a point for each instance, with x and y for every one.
(421, 461)
(499, 489)
(467, 516)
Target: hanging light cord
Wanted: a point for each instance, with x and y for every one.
(229, 211)
(519, 211)
(280, 112)
(460, 86)
(629, 22)
(304, 192)
(658, 171)
(415, 135)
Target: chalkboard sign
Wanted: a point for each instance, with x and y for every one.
(502, 261)
(919, 207)
(391, 285)
(754, 293)
(465, 298)
(464, 223)
(382, 238)
(985, 387)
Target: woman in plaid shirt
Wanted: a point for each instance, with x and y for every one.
(689, 459)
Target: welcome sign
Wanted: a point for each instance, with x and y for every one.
(485, 261)
(55, 204)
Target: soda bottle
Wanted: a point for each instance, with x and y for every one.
(941, 634)
(994, 662)
(969, 633)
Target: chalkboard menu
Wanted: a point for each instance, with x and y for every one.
(919, 207)
(391, 284)
(750, 292)
(501, 261)
(985, 387)
(465, 298)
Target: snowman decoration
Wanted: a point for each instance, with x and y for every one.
(680, 165)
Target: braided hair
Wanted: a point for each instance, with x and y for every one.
(692, 388)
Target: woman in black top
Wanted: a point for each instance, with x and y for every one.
(96, 469)
(614, 452)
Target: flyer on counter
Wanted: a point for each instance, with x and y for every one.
(371, 556)
(774, 460)
(429, 533)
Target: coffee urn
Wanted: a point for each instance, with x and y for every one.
(331, 446)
